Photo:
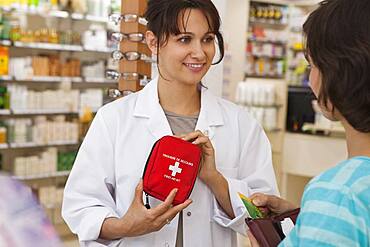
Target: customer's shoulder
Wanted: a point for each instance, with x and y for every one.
(349, 178)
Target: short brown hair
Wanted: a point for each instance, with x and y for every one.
(338, 43)
(162, 17)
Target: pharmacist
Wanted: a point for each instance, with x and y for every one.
(103, 197)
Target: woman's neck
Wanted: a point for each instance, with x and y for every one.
(358, 143)
(179, 98)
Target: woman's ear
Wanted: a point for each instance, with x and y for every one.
(152, 42)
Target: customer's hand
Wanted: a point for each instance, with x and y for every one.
(139, 220)
(272, 203)
(208, 166)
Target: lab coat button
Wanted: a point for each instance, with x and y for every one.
(188, 214)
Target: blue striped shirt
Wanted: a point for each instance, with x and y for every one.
(335, 208)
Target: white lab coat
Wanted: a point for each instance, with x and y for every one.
(112, 157)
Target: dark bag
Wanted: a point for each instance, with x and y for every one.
(268, 231)
(172, 163)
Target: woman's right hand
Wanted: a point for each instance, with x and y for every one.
(139, 220)
(272, 203)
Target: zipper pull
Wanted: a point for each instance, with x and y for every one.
(147, 205)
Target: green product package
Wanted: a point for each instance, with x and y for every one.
(254, 212)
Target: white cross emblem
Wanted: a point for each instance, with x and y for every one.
(175, 169)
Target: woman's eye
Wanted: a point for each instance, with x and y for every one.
(208, 39)
(185, 40)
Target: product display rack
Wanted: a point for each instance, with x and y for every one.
(60, 14)
(263, 37)
(43, 176)
(35, 112)
(294, 163)
(56, 79)
(133, 7)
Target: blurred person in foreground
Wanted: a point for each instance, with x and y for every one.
(23, 222)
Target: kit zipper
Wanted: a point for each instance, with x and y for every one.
(147, 204)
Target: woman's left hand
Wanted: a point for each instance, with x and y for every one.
(208, 166)
(208, 172)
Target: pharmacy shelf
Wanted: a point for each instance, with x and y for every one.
(48, 46)
(314, 128)
(98, 80)
(5, 42)
(4, 146)
(262, 106)
(60, 47)
(5, 77)
(269, 24)
(41, 112)
(264, 41)
(6, 112)
(47, 79)
(266, 56)
(263, 76)
(274, 130)
(43, 176)
(36, 145)
(96, 18)
(58, 14)
(52, 79)
(102, 50)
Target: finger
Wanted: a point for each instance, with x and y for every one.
(172, 212)
(192, 135)
(252, 239)
(139, 192)
(271, 202)
(202, 140)
(167, 204)
(259, 199)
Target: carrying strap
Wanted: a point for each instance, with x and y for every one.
(292, 214)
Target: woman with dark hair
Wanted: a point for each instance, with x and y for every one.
(335, 208)
(103, 200)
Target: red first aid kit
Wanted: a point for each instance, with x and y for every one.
(172, 163)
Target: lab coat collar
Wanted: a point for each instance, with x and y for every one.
(147, 106)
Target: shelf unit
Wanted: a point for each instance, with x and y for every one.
(38, 145)
(261, 40)
(266, 56)
(56, 47)
(6, 112)
(43, 176)
(59, 14)
(57, 79)
(61, 20)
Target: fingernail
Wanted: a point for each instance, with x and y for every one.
(176, 190)
(256, 202)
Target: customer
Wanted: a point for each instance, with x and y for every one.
(103, 196)
(336, 204)
(22, 220)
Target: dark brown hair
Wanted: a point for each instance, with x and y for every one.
(163, 16)
(338, 43)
